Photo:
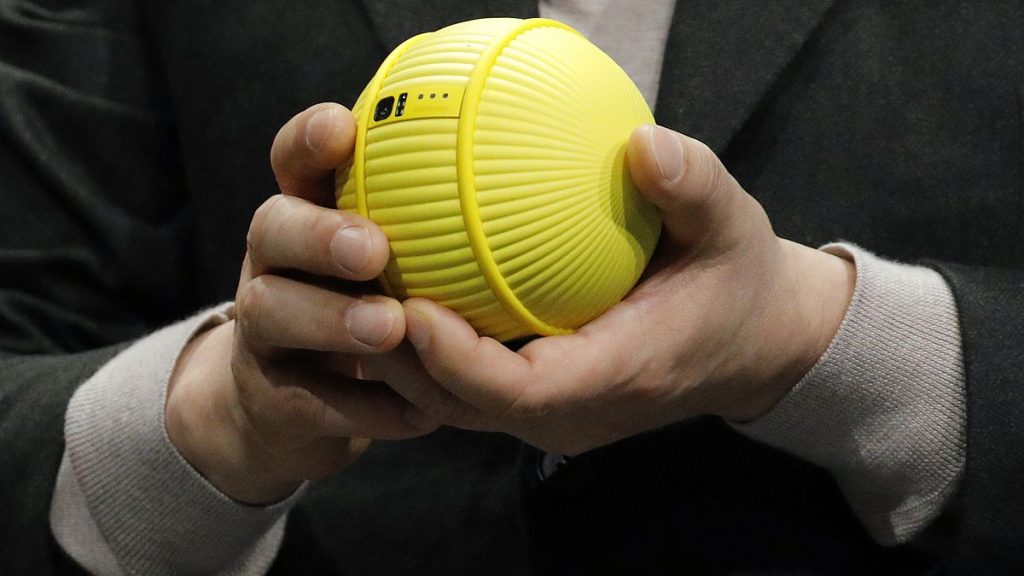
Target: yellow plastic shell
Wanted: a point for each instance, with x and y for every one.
(502, 185)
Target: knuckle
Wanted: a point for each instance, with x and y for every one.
(249, 412)
(240, 370)
(274, 406)
(445, 374)
(322, 228)
(250, 304)
(260, 224)
(286, 414)
(249, 404)
(447, 408)
(285, 144)
(706, 172)
(524, 405)
(335, 327)
(301, 410)
(644, 392)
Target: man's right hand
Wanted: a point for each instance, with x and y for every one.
(278, 395)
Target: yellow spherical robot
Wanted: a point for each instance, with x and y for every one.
(491, 154)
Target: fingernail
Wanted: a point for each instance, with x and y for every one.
(319, 128)
(369, 323)
(668, 152)
(350, 248)
(417, 328)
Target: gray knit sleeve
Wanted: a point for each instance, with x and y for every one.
(884, 408)
(126, 502)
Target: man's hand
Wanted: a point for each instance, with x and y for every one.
(277, 396)
(726, 320)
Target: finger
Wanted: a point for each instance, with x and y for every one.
(549, 373)
(402, 370)
(289, 403)
(430, 405)
(295, 234)
(309, 147)
(506, 389)
(367, 409)
(345, 364)
(479, 371)
(686, 181)
(277, 312)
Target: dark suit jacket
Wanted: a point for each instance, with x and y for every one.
(133, 150)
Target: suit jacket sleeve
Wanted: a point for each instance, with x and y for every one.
(991, 528)
(93, 246)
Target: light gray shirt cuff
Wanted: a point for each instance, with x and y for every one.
(884, 409)
(126, 501)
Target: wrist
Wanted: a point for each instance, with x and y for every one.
(824, 285)
(203, 424)
(804, 314)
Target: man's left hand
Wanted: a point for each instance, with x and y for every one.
(726, 320)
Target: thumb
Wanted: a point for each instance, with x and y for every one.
(688, 184)
(309, 147)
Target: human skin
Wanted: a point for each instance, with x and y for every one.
(726, 319)
(274, 396)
